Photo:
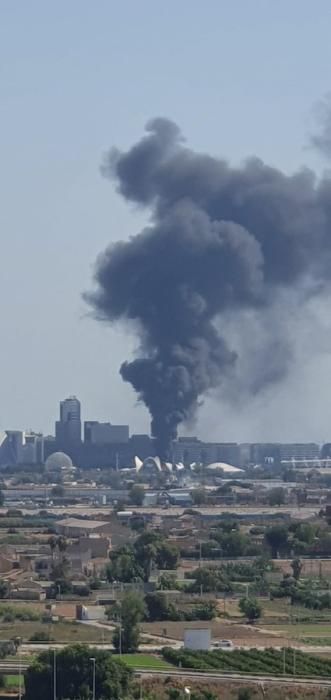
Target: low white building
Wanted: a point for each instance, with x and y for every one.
(197, 638)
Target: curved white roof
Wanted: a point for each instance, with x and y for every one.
(226, 468)
(152, 462)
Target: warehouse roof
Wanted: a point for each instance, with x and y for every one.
(86, 524)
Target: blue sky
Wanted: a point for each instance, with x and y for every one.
(76, 77)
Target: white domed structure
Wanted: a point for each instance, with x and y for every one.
(58, 461)
(224, 467)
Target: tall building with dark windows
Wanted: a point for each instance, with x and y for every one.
(68, 430)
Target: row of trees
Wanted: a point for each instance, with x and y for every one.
(308, 592)
(296, 538)
(159, 608)
(200, 496)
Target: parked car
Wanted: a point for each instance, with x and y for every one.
(223, 644)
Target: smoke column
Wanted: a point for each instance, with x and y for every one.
(222, 240)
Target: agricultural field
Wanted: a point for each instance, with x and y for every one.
(146, 661)
(268, 662)
(58, 632)
(318, 633)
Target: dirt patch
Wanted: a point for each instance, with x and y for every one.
(67, 610)
(242, 635)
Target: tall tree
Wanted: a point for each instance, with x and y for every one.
(74, 675)
(52, 544)
(296, 566)
(129, 612)
(251, 608)
(137, 495)
(277, 539)
(4, 588)
(276, 496)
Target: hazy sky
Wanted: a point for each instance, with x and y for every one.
(76, 77)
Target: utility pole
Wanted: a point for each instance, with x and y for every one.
(284, 661)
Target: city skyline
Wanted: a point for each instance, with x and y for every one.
(70, 412)
(93, 445)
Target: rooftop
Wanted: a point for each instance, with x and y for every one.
(85, 524)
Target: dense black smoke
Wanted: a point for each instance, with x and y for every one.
(222, 240)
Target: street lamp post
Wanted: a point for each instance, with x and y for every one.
(19, 670)
(93, 680)
(54, 674)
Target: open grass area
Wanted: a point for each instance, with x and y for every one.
(13, 681)
(145, 661)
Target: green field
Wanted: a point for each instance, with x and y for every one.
(145, 661)
(13, 681)
(269, 661)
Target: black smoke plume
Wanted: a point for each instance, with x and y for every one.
(222, 240)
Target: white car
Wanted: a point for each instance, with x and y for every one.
(223, 644)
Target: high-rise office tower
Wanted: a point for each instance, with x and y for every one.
(68, 429)
(70, 409)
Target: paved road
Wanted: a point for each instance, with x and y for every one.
(14, 667)
(158, 640)
(245, 678)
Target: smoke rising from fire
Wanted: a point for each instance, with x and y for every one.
(223, 242)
